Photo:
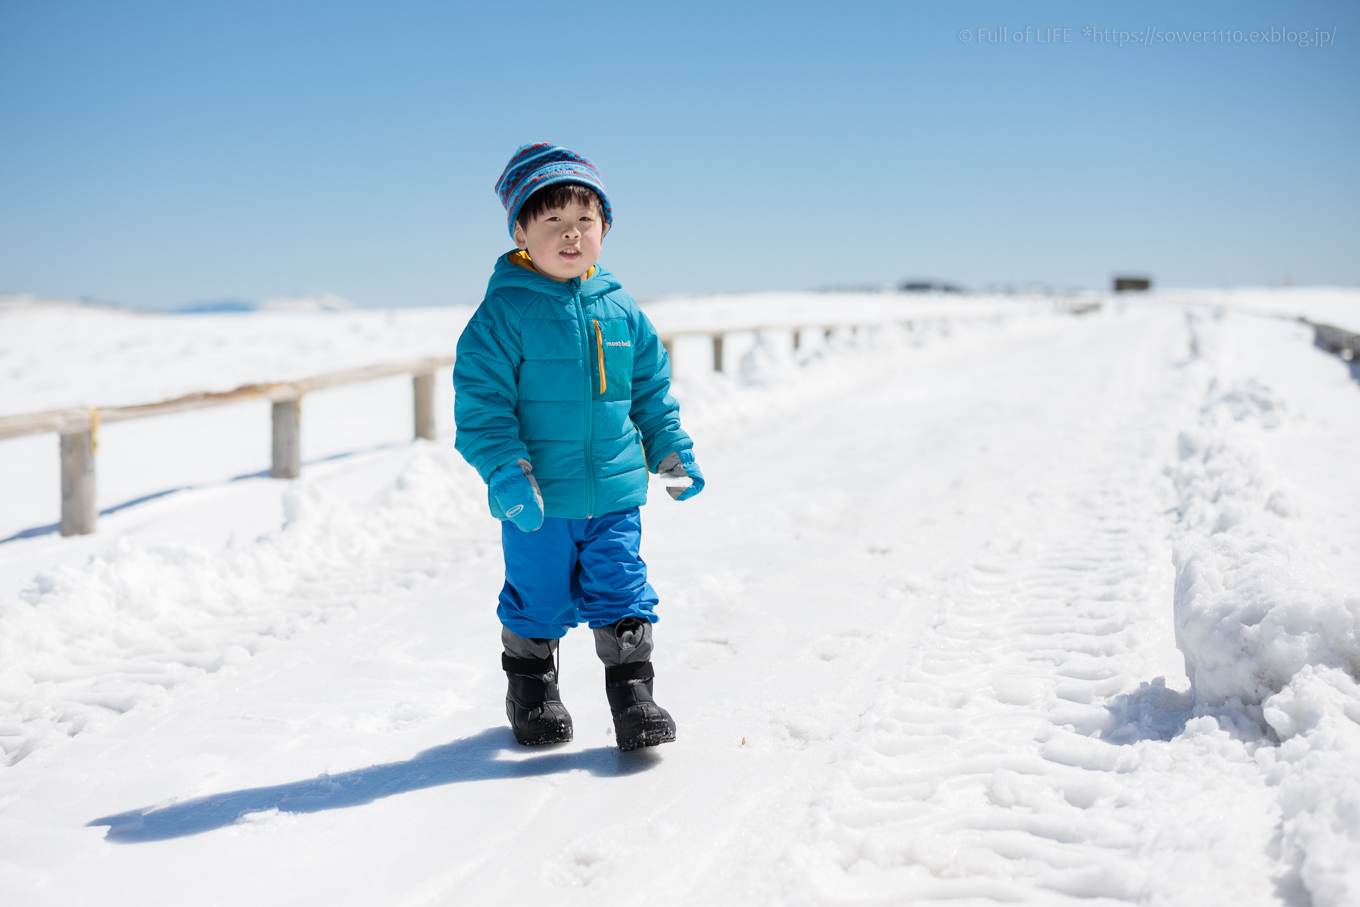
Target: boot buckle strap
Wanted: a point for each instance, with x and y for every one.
(616, 675)
(533, 667)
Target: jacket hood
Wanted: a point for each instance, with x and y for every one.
(508, 274)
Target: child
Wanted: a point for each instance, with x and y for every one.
(562, 400)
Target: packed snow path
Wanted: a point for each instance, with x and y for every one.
(917, 634)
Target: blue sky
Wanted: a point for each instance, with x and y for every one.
(158, 154)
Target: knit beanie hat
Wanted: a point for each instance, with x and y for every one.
(534, 166)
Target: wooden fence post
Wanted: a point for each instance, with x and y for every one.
(797, 339)
(287, 454)
(717, 352)
(422, 387)
(78, 513)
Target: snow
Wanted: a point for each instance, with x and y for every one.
(1271, 636)
(1337, 306)
(1252, 609)
(1010, 605)
(120, 357)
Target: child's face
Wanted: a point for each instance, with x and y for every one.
(563, 242)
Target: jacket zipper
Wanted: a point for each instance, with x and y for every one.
(599, 349)
(589, 402)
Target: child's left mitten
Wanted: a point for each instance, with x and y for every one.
(680, 464)
(516, 491)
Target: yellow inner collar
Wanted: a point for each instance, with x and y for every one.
(521, 258)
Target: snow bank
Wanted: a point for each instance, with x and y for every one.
(1251, 607)
(82, 644)
(1267, 639)
(1317, 717)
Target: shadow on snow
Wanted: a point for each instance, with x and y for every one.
(1152, 712)
(473, 758)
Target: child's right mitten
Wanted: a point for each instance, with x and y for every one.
(516, 491)
(680, 464)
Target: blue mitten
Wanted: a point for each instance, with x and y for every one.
(516, 491)
(680, 464)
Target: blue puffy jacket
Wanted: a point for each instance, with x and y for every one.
(572, 377)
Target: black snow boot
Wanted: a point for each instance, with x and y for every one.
(533, 705)
(638, 720)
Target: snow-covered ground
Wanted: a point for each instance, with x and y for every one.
(1017, 606)
(1337, 306)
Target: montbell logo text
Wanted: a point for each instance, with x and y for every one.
(618, 343)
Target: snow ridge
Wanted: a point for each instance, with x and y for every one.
(1271, 646)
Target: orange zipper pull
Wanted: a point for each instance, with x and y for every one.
(599, 348)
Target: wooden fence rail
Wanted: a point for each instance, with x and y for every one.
(78, 427)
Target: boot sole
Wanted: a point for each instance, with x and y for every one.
(545, 739)
(648, 738)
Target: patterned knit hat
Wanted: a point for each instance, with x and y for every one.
(541, 164)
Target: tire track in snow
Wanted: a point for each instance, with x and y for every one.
(1020, 752)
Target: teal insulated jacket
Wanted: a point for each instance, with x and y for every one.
(572, 377)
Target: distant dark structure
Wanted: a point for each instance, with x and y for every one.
(1127, 284)
(928, 286)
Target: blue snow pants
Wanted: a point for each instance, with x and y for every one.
(574, 571)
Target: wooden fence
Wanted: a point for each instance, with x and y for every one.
(668, 339)
(78, 427)
(1345, 344)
